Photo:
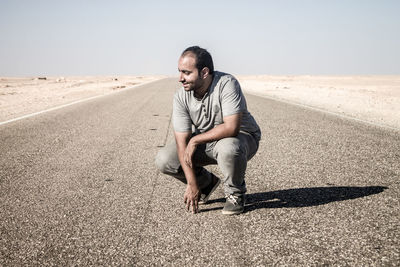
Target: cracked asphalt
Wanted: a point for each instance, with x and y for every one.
(78, 186)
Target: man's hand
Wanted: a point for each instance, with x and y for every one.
(191, 198)
(186, 150)
(189, 151)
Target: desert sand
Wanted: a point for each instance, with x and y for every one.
(375, 99)
(22, 96)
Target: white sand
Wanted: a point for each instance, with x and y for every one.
(22, 96)
(375, 99)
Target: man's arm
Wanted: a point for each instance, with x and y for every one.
(229, 128)
(192, 193)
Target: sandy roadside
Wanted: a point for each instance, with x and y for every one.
(375, 99)
(22, 96)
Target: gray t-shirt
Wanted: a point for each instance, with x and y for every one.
(224, 98)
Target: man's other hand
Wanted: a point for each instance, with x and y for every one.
(191, 198)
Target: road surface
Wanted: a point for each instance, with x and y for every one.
(78, 186)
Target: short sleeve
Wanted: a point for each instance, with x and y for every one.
(232, 100)
(180, 115)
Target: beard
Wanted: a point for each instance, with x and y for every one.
(193, 86)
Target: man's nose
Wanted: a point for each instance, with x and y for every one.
(181, 77)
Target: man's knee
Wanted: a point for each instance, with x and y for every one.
(161, 161)
(230, 149)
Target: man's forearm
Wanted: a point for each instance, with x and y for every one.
(187, 170)
(217, 133)
(229, 128)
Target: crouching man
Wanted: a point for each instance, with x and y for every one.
(224, 133)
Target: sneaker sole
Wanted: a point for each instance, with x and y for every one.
(226, 212)
(212, 190)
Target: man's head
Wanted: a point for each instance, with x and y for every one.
(202, 56)
(196, 68)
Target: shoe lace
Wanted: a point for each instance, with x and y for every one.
(232, 199)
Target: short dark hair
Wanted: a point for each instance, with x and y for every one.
(203, 58)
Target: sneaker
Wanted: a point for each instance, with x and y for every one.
(234, 204)
(206, 192)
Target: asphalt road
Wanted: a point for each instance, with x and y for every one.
(78, 186)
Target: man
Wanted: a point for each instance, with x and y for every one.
(224, 133)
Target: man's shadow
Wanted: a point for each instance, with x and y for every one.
(302, 197)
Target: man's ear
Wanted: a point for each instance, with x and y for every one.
(205, 72)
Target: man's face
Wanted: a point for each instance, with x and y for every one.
(188, 73)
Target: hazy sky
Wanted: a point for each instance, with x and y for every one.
(244, 37)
